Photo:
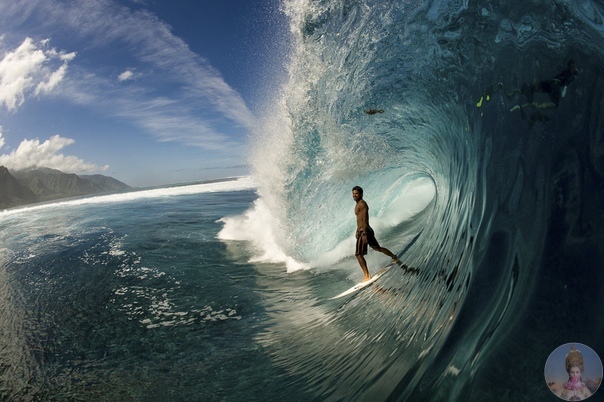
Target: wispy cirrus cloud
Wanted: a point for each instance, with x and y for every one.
(178, 95)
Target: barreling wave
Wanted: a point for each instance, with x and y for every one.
(460, 192)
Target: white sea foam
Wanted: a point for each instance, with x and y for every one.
(256, 226)
(239, 184)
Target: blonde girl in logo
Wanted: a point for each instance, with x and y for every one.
(574, 389)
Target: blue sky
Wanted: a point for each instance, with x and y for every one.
(148, 91)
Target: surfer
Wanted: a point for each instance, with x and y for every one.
(555, 88)
(374, 111)
(364, 234)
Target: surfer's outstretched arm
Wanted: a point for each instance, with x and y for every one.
(514, 92)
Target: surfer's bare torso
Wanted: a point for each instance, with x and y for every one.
(361, 210)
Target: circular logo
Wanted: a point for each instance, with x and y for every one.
(573, 372)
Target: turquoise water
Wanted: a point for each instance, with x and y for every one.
(135, 297)
(128, 300)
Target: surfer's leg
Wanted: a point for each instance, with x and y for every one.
(361, 250)
(385, 251)
(363, 265)
(376, 246)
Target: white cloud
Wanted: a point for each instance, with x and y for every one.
(126, 75)
(1, 138)
(33, 153)
(52, 81)
(29, 69)
(201, 103)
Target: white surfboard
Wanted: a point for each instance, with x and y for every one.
(363, 285)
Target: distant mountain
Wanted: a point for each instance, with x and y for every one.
(106, 182)
(50, 184)
(12, 192)
(43, 184)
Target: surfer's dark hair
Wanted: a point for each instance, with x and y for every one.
(359, 189)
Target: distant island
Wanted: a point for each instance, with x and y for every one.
(42, 184)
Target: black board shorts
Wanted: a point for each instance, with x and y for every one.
(364, 241)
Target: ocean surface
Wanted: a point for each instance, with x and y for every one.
(220, 291)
